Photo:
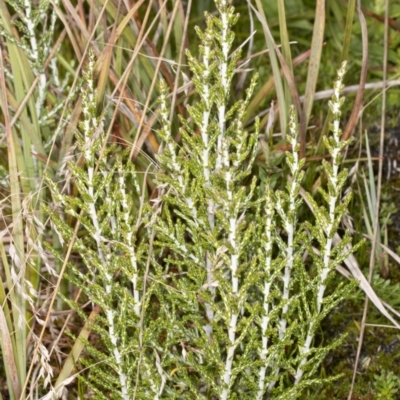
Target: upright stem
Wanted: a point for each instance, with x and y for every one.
(223, 162)
(335, 147)
(290, 225)
(269, 210)
(90, 127)
(234, 316)
(129, 238)
(206, 168)
(223, 72)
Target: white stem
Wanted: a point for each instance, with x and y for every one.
(267, 287)
(234, 317)
(93, 215)
(223, 69)
(109, 281)
(129, 239)
(229, 358)
(206, 172)
(327, 249)
(114, 340)
(290, 227)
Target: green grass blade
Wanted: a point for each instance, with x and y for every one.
(19, 303)
(287, 55)
(315, 58)
(283, 116)
(351, 7)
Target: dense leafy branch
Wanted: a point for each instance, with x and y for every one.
(236, 287)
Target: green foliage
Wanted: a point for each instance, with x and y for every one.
(387, 290)
(241, 251)
(114, 256)
(219, 291)
(165, 290)
(387, 385)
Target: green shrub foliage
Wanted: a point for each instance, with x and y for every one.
(215, 290)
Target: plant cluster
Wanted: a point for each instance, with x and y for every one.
(216, 288)
(387, 385)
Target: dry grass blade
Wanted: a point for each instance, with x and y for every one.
(292, 86)
(104, 62)
(66, 143)
(283, 117)
(69, 133)
(326, 94)
(127, 18)
(76, 350)
(7, 344)
(181, 40)
(120, 83)
(71, 36)
(268, 86)
(391, 253)
(363, 78)
(104, 59)
(365, 285)
(379, 186)
(51, 305)
(390, 21)
(160, 65)
(7, 350)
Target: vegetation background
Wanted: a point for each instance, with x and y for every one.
(44, 46)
